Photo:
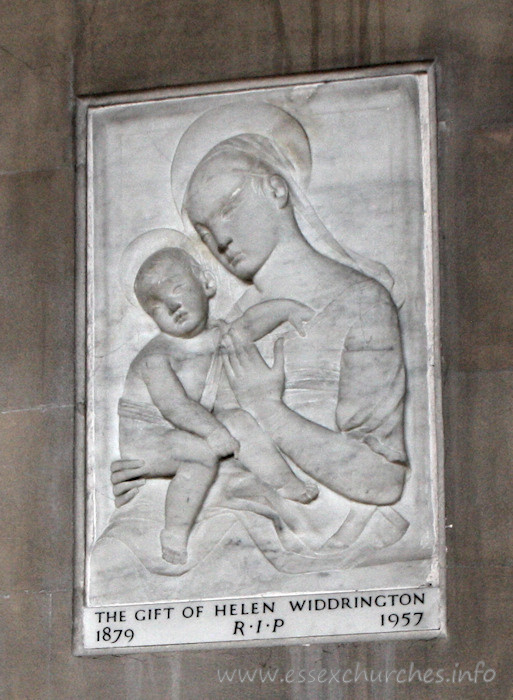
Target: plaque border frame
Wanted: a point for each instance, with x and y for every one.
(427, 70)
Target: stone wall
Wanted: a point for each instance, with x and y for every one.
(52, 50)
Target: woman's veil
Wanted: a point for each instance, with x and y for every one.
(272, 136)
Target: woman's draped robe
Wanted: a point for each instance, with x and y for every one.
(346, 374)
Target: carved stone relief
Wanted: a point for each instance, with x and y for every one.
(261, 366)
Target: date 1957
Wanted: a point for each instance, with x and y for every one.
(405, 620)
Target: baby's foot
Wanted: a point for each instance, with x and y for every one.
(174, 547)
(300, 491)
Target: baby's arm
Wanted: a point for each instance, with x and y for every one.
(168, 395)
(261, 319)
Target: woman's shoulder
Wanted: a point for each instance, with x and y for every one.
(355, 287)
(373, 313)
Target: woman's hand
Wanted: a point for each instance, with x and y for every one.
(127, 476)
(251, 379)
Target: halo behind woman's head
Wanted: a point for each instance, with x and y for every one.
(233, 119)
(271, 135)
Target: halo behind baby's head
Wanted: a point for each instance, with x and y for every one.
(157, 268)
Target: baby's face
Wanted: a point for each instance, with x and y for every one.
(179, 302)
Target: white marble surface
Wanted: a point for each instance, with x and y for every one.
(368, 184)
(269, 620)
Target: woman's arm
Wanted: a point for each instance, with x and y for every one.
(157, 455)
(344, 464)
(361, 461)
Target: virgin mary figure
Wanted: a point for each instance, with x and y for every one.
(332, 401)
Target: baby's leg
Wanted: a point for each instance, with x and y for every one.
(185, 496)
(259, 454)
(162, 448)
(167, 452)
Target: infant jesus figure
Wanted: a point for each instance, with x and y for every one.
(171, 398)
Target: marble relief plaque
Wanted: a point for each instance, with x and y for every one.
(259, 433)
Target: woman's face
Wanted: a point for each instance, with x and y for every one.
(237, 220)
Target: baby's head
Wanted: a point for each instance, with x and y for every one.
(175, 290)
